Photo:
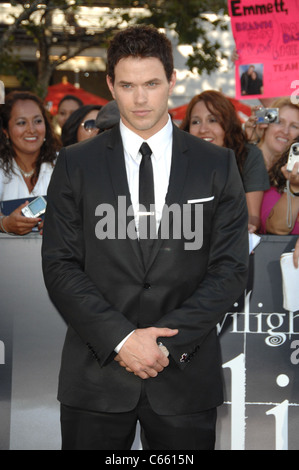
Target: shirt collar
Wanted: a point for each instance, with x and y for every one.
(158, 142)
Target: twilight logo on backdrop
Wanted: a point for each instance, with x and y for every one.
(274, 397)
(276, 327)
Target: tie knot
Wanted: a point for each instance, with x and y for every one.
(145, 150)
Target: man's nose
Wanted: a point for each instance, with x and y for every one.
(140, 95)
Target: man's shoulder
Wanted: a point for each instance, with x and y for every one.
(84, 155)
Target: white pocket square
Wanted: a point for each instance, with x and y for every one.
(205, 199)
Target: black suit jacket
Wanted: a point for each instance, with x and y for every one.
(103, 291)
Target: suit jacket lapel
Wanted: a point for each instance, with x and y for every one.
(179, 166)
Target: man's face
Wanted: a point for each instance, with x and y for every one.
(141, 90)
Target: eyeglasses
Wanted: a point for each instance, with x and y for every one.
(89, 125)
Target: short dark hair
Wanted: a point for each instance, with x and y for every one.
(140, 41)
(71, 98)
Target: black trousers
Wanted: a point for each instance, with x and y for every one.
(89, 430)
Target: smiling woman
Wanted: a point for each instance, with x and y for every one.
(277, 137)
(212, 117)
(28, 148)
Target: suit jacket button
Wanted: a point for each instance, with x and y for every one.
(146, 286)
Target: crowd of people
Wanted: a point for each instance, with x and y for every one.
(29, 147)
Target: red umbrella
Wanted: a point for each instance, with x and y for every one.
(242, 109)
(57, 92)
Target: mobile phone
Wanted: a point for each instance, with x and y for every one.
(293, 156)
(267, 115)
(35, 208)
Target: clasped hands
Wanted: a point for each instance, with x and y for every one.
(141, 354)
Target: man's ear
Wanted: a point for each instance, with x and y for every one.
(172, 83)
(110, 85)
(5, 133)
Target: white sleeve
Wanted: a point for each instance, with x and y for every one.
(120, 345)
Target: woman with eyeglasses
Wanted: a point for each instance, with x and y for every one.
(80, 125)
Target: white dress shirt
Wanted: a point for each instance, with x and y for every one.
(161, 146)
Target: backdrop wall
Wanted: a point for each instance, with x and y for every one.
(260, 347)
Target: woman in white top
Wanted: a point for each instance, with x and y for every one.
(28, 149)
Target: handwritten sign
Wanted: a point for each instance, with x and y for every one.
(266, 34)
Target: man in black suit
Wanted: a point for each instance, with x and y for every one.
(142, 308)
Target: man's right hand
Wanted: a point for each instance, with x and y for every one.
(141, 354)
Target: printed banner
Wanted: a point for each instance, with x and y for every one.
(260, 351)
(259, 342)
(266, 35)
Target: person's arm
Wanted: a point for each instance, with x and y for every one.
(255, 180)
(253, 131)
(76, 297)
(254, 202)
(277, 222)
(15, 223)
(226, 274)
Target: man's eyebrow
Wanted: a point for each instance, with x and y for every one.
(153, 80)
(124, 82)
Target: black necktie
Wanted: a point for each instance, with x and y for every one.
(147, 219)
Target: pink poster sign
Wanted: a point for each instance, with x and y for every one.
(266, 34)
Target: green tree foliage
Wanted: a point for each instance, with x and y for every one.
(188, 18)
